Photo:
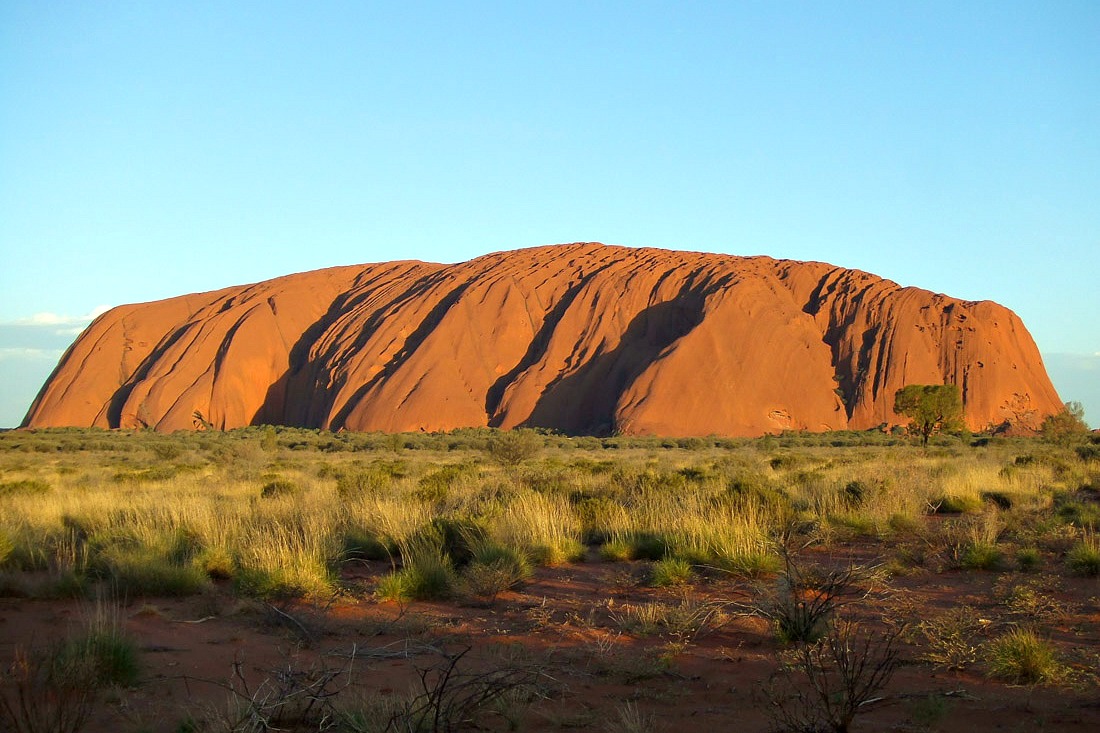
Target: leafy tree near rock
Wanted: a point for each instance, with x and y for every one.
(1067, 426)
(930, 408)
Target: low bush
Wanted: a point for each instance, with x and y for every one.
(1078, 511)
(43, 695)
(279, 487)
(102, 647)
(512, 447)
(950, 639)
(822, 686)
(804, 599)
(425, 579)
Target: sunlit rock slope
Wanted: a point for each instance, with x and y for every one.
(582, 338)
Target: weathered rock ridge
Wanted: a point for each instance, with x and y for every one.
(583, 338)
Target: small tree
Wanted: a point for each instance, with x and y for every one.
(930, 408)
(513, 447)
(1067, 426)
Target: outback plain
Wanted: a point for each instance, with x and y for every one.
(289, 579)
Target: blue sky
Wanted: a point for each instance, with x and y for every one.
(150, 149)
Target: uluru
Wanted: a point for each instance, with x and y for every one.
(581, 338)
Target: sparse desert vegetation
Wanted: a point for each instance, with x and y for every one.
(529, 581)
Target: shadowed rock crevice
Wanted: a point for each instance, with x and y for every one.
(408, 348)
(584, 401)
(118, 399)
(537, 350)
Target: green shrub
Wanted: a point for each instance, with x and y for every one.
(363, 483)
(216, 563)
(279, 487)
(750, 564)
(904, 523)
(1028, 558)
(596, 514)
(617, 550)
(856, 494)
(513, 447)
(670, 571)
(756, 488)
(457, 537)
(1084, 557)
(292, 582)
(957, 504)
(999, 499)
(363, 545)
(426, 571)
(561, 551)
(395, 586)
(7, 546)
(1088, 452)
(981, 556)
(434, 486)
(146, 475)
(103, 648)
(1084, 514)
(26, 487)
(495, 569)
(139, 572)
(1021, 657)
(426, 579)
(648, 546)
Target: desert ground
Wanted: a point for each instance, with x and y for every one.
(286, 579)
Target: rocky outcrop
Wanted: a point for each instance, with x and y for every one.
(583, 338)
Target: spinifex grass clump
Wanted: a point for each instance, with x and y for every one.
(670, 571)
(542, 526)
(700, 528)
(103, 647)
(982, 556)
(6, 546)
(493, 569)
(1022, 657)
(289, 559)
(426, 571)
(1084, 557)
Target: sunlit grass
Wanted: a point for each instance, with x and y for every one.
(170, 514)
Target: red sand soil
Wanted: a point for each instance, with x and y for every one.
(563, 621)
(582, 338)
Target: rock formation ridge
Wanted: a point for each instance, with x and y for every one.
(582, 338)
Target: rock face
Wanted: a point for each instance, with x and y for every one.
(583, 338)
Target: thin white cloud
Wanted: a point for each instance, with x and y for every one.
(46, 318)
(74, 331)
(26, 353)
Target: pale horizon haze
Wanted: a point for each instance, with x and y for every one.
(149, 150)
